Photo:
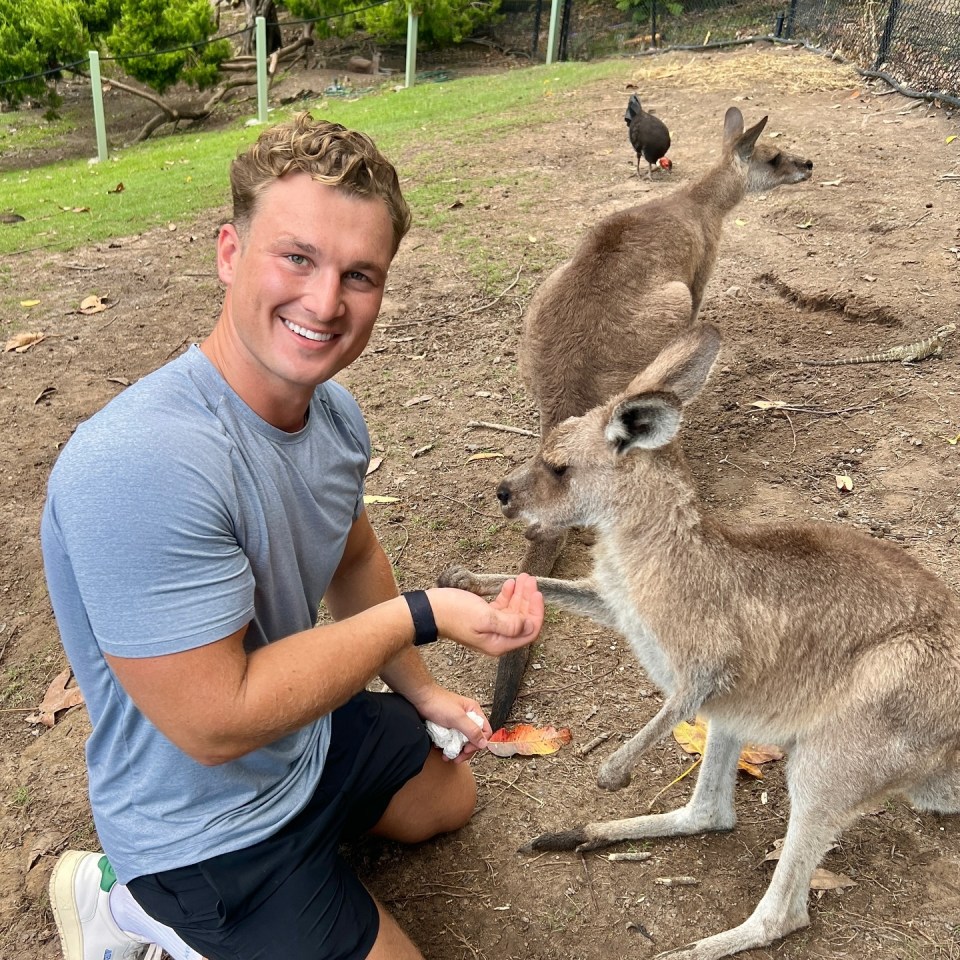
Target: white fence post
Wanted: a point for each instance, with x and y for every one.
(96, 88)
(261, 69)
(413, 24)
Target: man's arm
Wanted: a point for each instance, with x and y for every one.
(364, 578)
(217, 703)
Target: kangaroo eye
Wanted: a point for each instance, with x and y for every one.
(558, 470)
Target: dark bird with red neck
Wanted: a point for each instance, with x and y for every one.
(649, 136)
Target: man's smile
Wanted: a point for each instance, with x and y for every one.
(304, 332)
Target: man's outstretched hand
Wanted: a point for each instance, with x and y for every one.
(509, 621)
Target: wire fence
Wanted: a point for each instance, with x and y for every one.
(912, 44)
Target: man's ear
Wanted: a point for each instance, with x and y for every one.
(228, 249)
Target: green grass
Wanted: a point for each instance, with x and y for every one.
(426, 131)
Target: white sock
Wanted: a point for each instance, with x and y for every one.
(132, 919)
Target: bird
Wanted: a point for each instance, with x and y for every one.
(649, 136)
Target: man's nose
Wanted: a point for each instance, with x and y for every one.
(323, 296)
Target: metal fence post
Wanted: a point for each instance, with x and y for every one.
(884, 49)
(96, 88)
(413, 25)
(261, 69)
(554, 34)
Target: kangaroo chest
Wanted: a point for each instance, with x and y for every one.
(626, 615)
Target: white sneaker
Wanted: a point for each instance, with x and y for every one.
(80, 898)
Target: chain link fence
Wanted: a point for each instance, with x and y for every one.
(912, 44)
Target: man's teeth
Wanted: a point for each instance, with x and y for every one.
(309, 334)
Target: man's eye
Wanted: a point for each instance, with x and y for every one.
(357, 275)
(298, 259)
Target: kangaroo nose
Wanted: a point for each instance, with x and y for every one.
(503, 493)
(809, 164)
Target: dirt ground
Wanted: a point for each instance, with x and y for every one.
(863, 256)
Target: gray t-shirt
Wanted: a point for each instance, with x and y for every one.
(174, 517)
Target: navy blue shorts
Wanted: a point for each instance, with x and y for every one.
(292, 895)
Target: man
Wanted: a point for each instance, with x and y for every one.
(191, 530)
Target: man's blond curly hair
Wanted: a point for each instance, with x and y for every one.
(330, 153)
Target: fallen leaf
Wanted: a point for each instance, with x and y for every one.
(373, 465)
(22, 342)
(806, 225)
(951, 138)
(77, 209)
(123, 381)
(829, 183)
(953, 441)
(456, 205)
(869, 277)
(58, 697)
(532, 238)
(740, 222)
(769, 404)
(373, 498)
(93, 304)
(855, 94)
(415, 400)
(29, 303)
(844, 483)
(825, 880)
(42, 843)
(486, 455)
(420, 451)
(44, 393)
(527, 740)
(692, 737)
(119, 188)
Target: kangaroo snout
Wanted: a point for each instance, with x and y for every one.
(503, 494)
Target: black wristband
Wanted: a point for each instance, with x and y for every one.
(425, 627)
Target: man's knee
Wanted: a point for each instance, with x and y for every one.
(441, 798)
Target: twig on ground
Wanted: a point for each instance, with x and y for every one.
(499, 296)
(590, 745)
(502, 427)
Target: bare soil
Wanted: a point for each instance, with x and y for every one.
(861, 257)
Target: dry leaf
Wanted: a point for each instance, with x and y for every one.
(413, 401)
(740, 222)
(527, 740)
(806, 225)
(22, 342)
(58, 697)
(373, 498)
(825, 880)
(953, 441)
(829, 183)
(42, 843)
(769, 404)
(93, 304)
(373, 465)
(951, 138)
(44, 393)
(486, 455)
(693, 738)
(844, 483)
(29, 303)
(119, 188)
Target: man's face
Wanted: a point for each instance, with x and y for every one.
(304, 284)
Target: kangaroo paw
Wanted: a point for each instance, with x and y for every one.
(460, 578)
(566, 840)
(612, 776)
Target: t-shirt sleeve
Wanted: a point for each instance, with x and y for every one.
(148, 531)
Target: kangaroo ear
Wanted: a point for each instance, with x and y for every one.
(732, 127)
(683, 366)
(748, 141)
(648, 421)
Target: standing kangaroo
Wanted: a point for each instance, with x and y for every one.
(792, 634)
(636, 280)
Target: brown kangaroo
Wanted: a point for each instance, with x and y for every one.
(775, 633)
(636, 280)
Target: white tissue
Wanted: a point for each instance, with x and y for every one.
(451, 741)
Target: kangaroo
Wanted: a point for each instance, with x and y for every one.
(775, 633)
(636, 280)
